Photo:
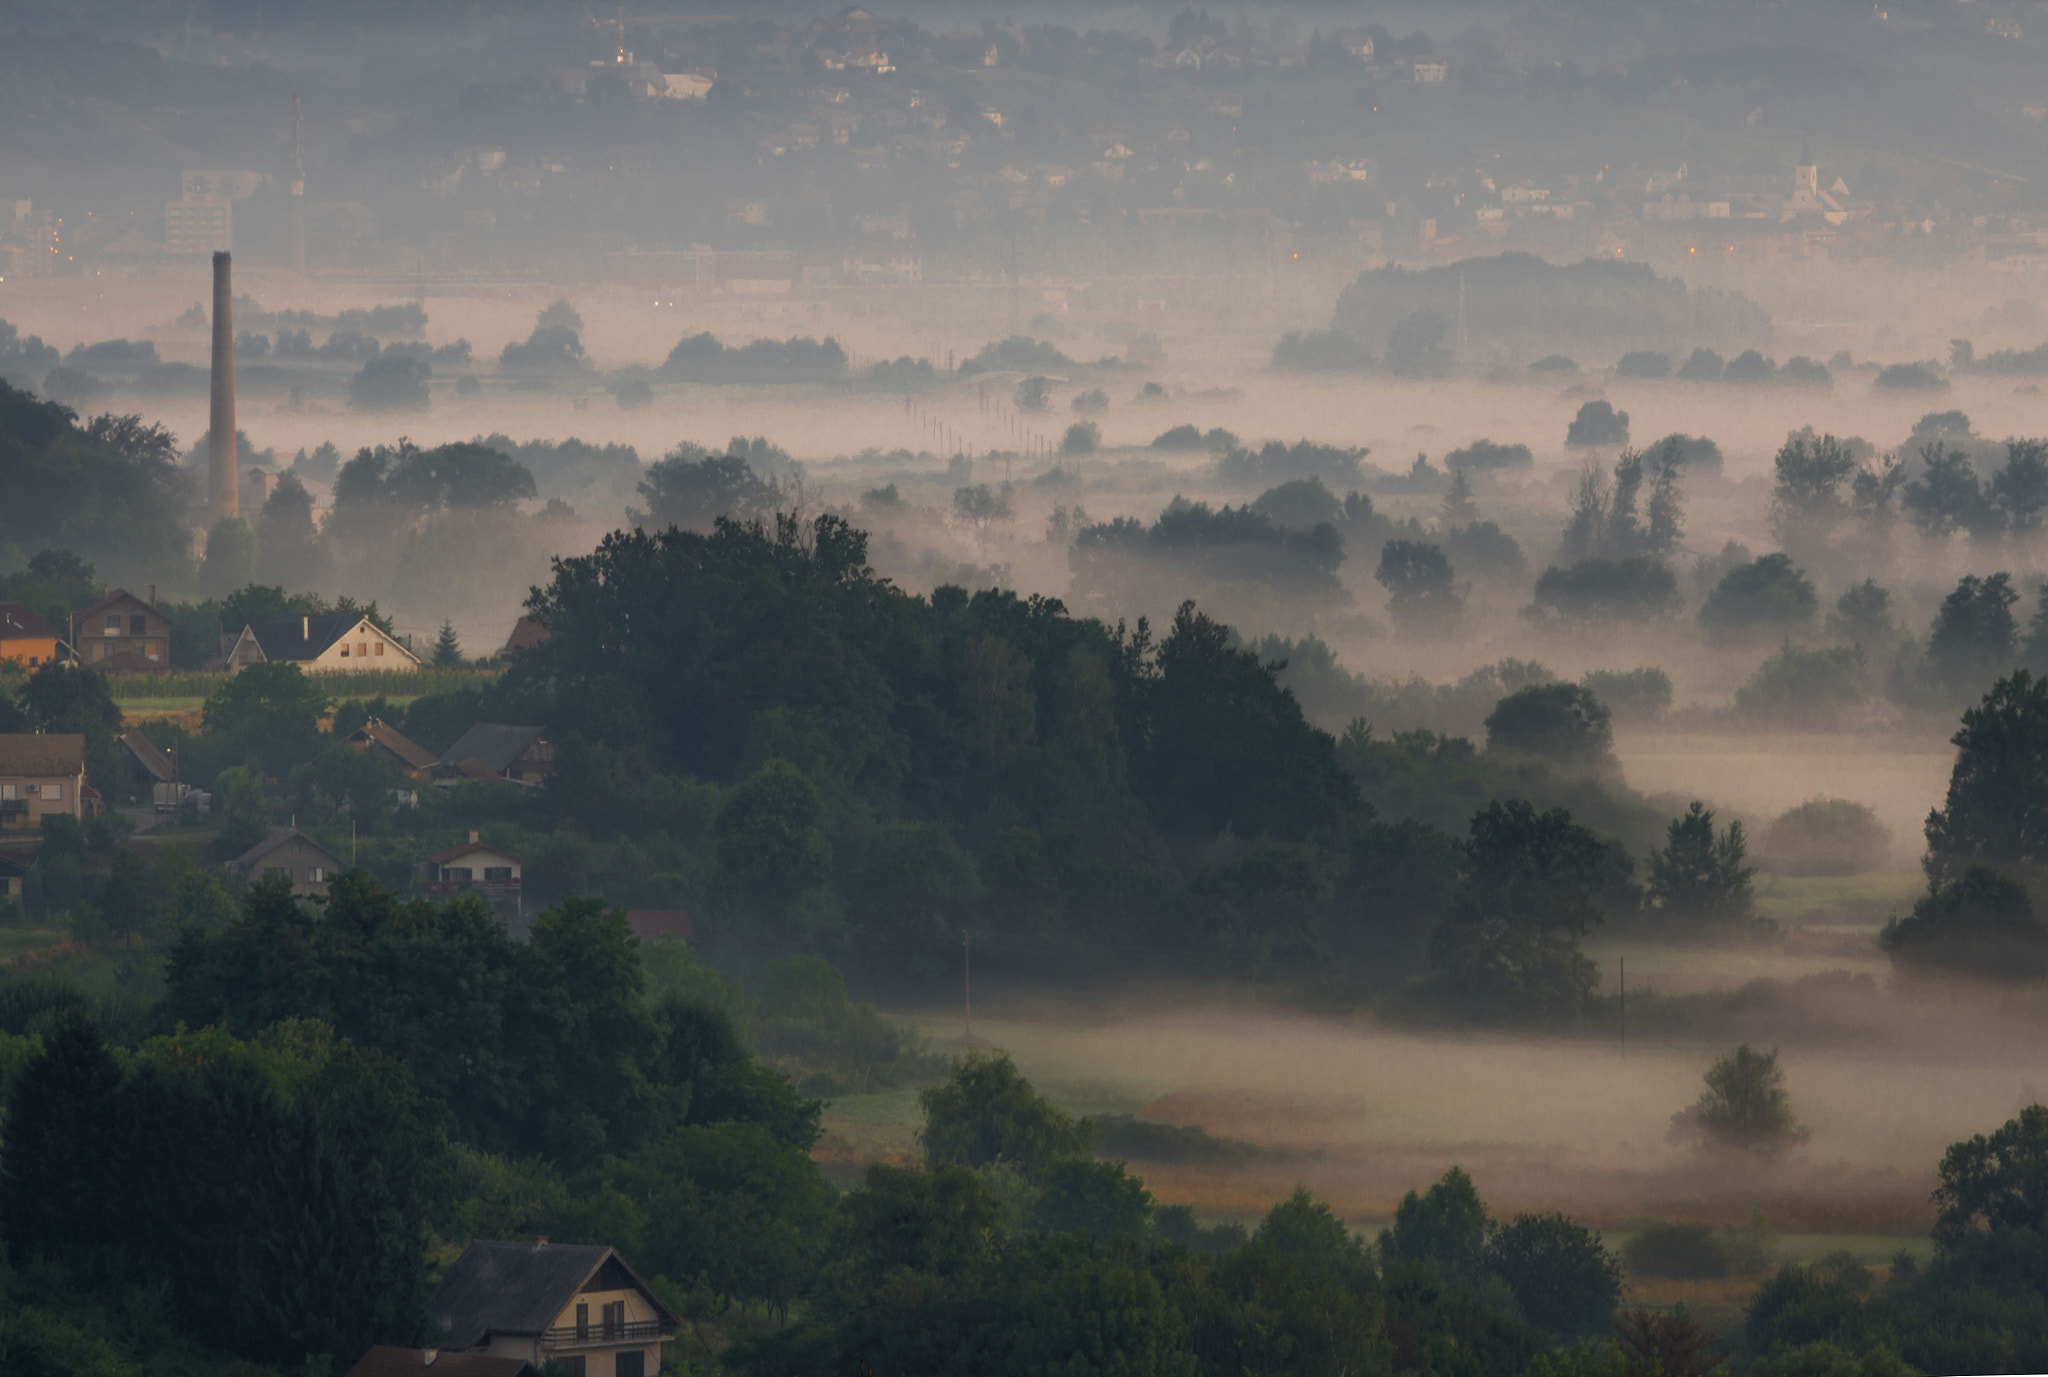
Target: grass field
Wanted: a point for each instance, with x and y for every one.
(195, 685)
(18, 942)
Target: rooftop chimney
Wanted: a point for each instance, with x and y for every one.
(222, 471)
(472, 836)
(305, 628)
(152, 595)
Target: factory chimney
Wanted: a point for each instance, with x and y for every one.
(223, 473)
(298, 188)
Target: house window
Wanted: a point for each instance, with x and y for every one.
(315, 875)
(614, 1318)
(271, 872)
(113, 623)
(362, 650)
(457, 874)
(498, 874)
(582, 1321)
(380, 648)
(138, 624)
(344, 650)
(149, 650)
(633, 1364)
(52, 792)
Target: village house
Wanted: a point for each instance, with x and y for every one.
(491, 751)
(122, 632)
(333, 642)
(386, 1361)
(41, 775)
(26, 637)
(385, 739)
(474, 865)
(576, 1305)
(12, 873)
(292, 854)
(152, 774)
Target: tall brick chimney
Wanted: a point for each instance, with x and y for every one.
(222, 469)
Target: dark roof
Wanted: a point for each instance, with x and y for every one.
(11, 869)
(376, 732)
(145, 753)
(114, 598)
(456, 853)
(526, 634)
(276, 839)
(383, 1361)
(17, 623)
(660, 922)
(496, 744)
(519, 1288)
(301, 638)
(42, 754)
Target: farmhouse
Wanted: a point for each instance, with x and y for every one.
(345, 642)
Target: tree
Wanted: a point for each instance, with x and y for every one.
(558, 315)
(2021, 488)
(1564, 1280)
(1807, 502)
(1419, 577)
(1418, 346)
(1033, 394)
(59, 1189)
(1558, 721)
(987, 1112)
(1947, 497)
(768, 838)
(1082, 437)
(1995, 1185)
(61, 698)
(1606, 590)
(690, 487)
(1768, 597)
(1444, 1228)
(1974, 633)
(287, 541)
(231, 555)
(1996, 809)
(1698, 877)
(1459, 510)
(1508, 948)
(392, 382)
(1098, 1200)
(1744, 1108)
(1863, 616)
(269, 712)
(1980, 925)
(1597, 423)
(447, 649)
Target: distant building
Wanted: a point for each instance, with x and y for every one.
(333, 642)
(199, 224)
(497, 750)
(121, 632)
(574, 1304)
(291, 855)
(26, 637)
(41, 774)
(1430, 71)
(474, 865)
(12, 872)
(384, 739)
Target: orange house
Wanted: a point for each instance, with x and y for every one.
(26, 637)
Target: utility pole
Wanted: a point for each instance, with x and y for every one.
(967, 983)
(298, 188)
(1623, 961)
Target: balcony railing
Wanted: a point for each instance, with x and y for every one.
(573, 1335)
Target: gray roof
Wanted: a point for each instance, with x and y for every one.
(301, 638)
(496, 744)
(276, 839)
(519, 1288)
(149, 757)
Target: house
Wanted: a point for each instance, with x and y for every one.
(294, 855)
(385, 1361)
(26, 637)
(41, 774)
(497, 750)
(121, 631)
(152, 774)
(378, 735)
(11, 874)
(650, 923)
(1430, 71)
(335, 642)
(474, 865)
(577, 1305)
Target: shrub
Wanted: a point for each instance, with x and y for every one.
(1089, 403)
(1801, 371)
(1275, 462)
(1692, 454)
(1677, 1252)
(1554, 363)
(1982, 924)
(1643, 363)
(1798, 687)
(1827, 836)
(1910, 377)
(1082, 437)
(1633, 695)
(1561, 722)
(1302, 504)
(390, 384)
(1703, 365)
(1191, 437)
(1601, 590)
(1484, 456)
